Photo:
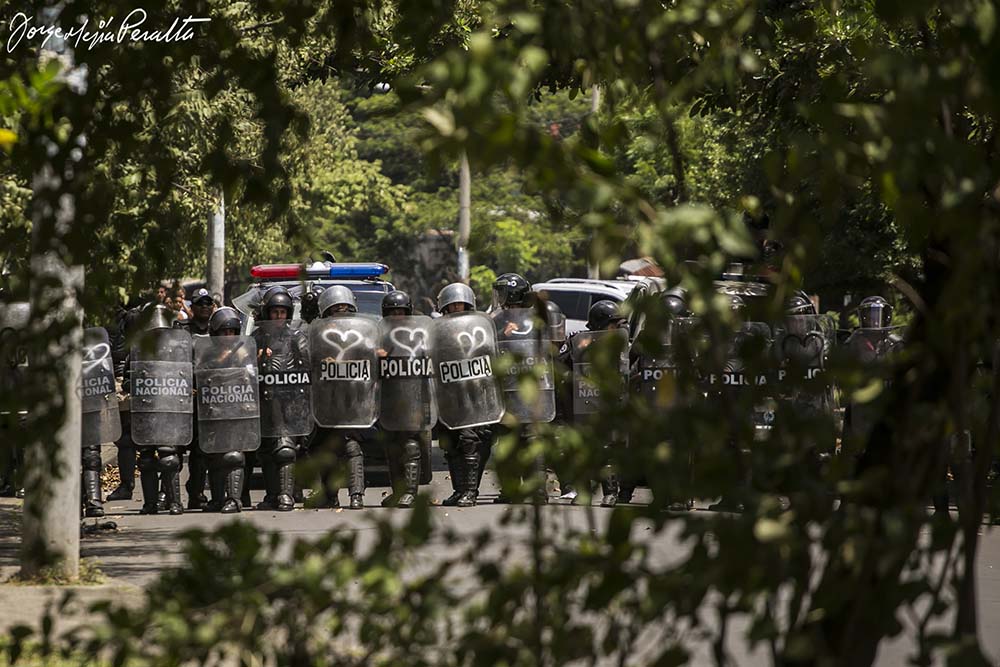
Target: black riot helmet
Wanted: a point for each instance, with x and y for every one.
(337, 299)
(602, 314)
(510, 290)
(275, 297)
(396, 299)
(675, 300)
(874, 312)
(800, 304)
(224, 319)
(161, 317)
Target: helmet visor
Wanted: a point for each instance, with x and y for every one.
(874, 316)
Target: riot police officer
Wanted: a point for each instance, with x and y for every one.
(285, 403)
(874, 312)
(342, 444)
(100, 421)
(466, 449)
(603, 316)
(160, 435)
(870, 344)
(226, 469)
(402, 446)
(202, 307)
(126, 325)
(523, 326)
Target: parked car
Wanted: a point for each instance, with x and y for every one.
(574, 296)
(364, 279)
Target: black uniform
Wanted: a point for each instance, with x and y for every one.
(610, 482)
(197, 461)
(277, 455)
(125, 326)
(335, 451)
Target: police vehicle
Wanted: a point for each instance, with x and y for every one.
(305, 283)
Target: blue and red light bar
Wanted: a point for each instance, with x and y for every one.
(357, 270)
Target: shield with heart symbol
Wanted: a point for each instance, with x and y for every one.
(406, 374)
(801, 345)
(464, 349)
(99, 403)
(600, 369)
(526, 379)
(228, 404)
(161, 383)
(345, 370)
(284, 378)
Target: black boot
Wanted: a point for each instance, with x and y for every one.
(170, 467)
(249, 462)
(196, 481)
(356, 479)
(270, 470)
(233, 489)
(93, 507)
(470, 477)
(217, 486)
(458, 473)
(149, 479)
(285, 502)
(161, 496)
(610, 487)
(411, 478)
(126, 474)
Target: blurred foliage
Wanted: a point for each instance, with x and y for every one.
(862, 133)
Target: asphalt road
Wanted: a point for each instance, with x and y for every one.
(142, 546)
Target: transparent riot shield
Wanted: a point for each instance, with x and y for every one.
(870, 348)
(529, 392)
(658, 369)
(748, 364)
(556, 328)
(98, 400)
(161, 383)
(801, 346)
(285, 379)
(225, 373)
(406, 373)
(345, 392)
(587, 393)
(464, 348)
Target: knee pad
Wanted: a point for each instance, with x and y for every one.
(283, 454)
(411, 450)
(232, 460)
(147, 460)
(352, 448)
(169, 461)
(91, 458)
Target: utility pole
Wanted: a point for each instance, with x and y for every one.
(217, 249)
(51, 517)
(464, 217)
(593, 268)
